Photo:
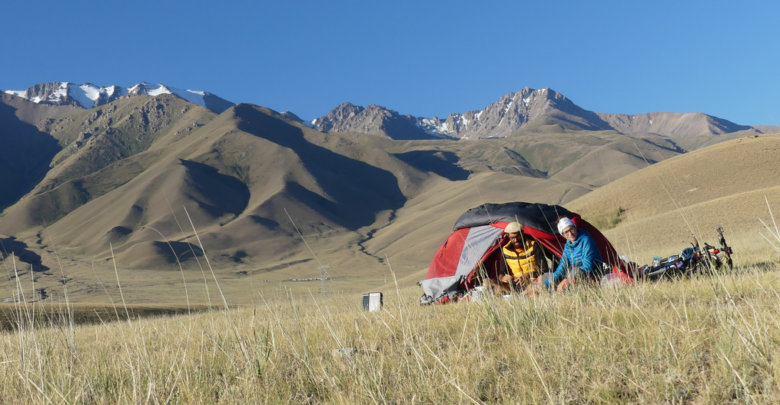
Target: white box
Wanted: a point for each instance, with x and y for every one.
(372, 302)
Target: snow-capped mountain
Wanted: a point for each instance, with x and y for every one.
(510, 113)
(514, 111)
(63, 93)
(89, 95)
(531, 109)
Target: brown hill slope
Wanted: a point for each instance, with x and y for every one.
(657, 209)
(98, 137)
(246, 174)
(236, 175)
(671, 124)
(356, 199)
(599, 157)
(25, 147)
(92, 140)
(239, 177)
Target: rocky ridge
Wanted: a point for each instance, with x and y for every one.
(374, 119)
(531, 109)
(293, 117)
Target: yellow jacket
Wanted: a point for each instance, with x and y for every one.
(523, 261)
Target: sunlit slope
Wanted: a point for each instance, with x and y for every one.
(425, 221)
(658, 208)
(94, 139)
(239, 177)
(588, 159)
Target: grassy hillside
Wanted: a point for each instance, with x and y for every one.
(654, 211)
(96, 138)
(588, 159)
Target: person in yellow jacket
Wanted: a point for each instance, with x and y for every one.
(524, 259)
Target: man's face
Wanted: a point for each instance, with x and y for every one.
(570, 233)
(516, 239)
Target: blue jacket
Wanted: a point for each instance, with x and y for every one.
(582, 253)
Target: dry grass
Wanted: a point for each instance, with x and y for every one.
(654, 211)
(726, 176)
(703, 340)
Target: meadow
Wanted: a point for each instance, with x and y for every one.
(706, 339)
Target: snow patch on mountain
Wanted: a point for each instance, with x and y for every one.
(86, 95)
(159, 91)
(59, 94)
(193, 96)
(89, 95)
(17, 93)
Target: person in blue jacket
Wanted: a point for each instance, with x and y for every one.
(580, 258)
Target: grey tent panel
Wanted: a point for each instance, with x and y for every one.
(478, 241)
(435, 288)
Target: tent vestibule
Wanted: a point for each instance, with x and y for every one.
(478, 235)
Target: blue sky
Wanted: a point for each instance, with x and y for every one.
(422, 58)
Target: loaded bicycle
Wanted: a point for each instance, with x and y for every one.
(691, 260)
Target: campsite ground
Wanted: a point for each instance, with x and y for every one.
(710, 339)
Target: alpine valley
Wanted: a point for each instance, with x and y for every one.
(149, 176)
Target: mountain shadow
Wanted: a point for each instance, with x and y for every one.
(356, 191)
(443, 163)
(182, 250)
(229, 193)
(10, 246)
(266, 222)
(158, 254)
(24, 156)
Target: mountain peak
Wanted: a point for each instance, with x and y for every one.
(343, 112)
(499, 119)
(374, 119)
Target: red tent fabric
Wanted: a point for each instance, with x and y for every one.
(475, 245)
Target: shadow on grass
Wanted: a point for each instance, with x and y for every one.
(443, 163)
(12, 316)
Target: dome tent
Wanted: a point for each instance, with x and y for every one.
(477, 238)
